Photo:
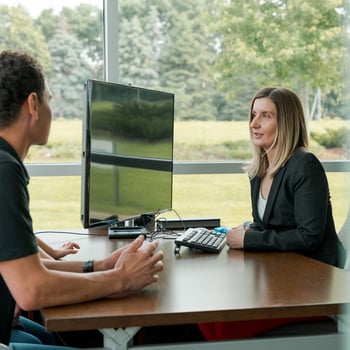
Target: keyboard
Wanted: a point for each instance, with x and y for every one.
(201, 238)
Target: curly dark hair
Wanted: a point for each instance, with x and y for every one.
(20, 75)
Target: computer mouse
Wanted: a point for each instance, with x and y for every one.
(223, 230)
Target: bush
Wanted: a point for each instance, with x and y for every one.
(228, 150)
(333, 138)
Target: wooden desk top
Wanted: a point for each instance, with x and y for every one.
(197, 287)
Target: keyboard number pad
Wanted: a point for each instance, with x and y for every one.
(201, 238)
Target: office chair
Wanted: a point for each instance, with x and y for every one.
(6, 314)
(344, 235)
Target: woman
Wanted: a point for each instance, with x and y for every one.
(290, 197)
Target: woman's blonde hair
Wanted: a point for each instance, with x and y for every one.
(291, 130)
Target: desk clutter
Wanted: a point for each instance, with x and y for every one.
(204, 234)
(201, 238)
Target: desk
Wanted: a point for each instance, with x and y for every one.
(197, 287)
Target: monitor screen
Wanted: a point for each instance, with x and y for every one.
(127, 159)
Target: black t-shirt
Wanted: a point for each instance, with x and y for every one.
(17, 239)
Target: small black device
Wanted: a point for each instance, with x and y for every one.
(185, 223)
(126, 232)
(201, 238)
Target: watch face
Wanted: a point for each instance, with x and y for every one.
(88, 266)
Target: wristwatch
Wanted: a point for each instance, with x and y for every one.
(88, 266)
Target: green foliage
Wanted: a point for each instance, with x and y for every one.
(18, 32)
(47, 22)
(137, 60)
(213, 55)
(85, 22)
(227, 150)
(125, 185)
(65, 80)
(333, 138)
(294, 43)
(185, 62)
(141, 120)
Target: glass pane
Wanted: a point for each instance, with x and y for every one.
(228, 197)
(55, 200)
(66, 36)
(213, 67)
(214, 56)
(64, 143)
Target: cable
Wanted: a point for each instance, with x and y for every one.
(68, 232)
(161, 230)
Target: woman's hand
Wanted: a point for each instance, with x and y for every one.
(235, 237)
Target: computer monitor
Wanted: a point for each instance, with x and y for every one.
(127, 158)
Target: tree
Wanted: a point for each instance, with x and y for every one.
(298, 43)
(137, 61)
(186, 59)
(48, 22)
(18, 32)
(176, 48)
(70, 70)
(85, 22)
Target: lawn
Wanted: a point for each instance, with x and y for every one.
(55, 201)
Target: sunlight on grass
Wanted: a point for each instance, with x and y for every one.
(55, 201)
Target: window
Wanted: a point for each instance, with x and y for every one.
(67, 37)
(213, 58)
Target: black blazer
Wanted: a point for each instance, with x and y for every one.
(298, 215)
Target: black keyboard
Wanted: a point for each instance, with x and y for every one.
(201, 238)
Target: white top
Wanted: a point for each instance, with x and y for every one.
(261, 205)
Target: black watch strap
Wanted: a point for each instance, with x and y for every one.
(88, 266)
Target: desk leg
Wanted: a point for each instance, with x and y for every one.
(118, 339)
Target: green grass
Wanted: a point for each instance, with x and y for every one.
(55, 201)
(64, 143)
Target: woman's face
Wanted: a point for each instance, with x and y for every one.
(263, 123)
